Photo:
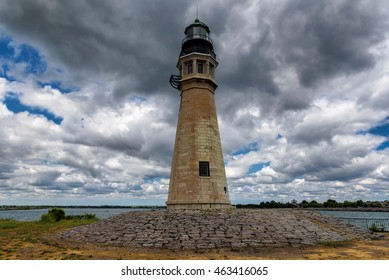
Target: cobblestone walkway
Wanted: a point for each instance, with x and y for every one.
(180, 230)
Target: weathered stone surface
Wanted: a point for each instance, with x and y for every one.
(182, 230)
(197, 140)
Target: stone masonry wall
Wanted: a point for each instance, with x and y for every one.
(181, 230)
(197, 139)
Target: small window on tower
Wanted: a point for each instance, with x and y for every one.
(200, 68)
(212, 70)
(204, 169)
(190, 68)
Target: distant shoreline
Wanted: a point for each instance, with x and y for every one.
(367, 209)
(32, 207)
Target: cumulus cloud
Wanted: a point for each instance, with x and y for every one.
(302, 98)
(102, 40)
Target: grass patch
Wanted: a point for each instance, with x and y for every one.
(27, 240)
(7, 224)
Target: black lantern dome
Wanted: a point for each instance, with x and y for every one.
(197, 39)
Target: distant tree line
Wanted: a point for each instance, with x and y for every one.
(30, 207)
(330, 203)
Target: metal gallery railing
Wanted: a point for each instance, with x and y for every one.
(378, 225)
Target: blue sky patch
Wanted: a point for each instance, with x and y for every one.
(259, 166)
(383, 146)
(249, 148)
(138, 99)
(13, 104)
(59, 86)
(35, 62)
(151, 179)
(381, 129)
(4, 72)
(6, 49)
(23, 53)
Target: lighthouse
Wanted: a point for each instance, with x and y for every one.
(198, 177)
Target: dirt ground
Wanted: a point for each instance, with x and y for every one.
(38, 241)
(356, 250)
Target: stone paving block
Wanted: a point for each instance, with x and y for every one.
(177, 230)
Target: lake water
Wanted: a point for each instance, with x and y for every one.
(35, 214)
(360, 218)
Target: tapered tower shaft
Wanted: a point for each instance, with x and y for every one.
(198, 178)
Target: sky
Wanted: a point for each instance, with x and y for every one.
(88, 117)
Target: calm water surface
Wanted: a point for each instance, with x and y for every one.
(357, 214)
(360, 218)
(102, 213)
(35, 214)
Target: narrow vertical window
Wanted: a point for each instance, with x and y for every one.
(204, 169)
(211, 70)
(190, 68)
(200, 68)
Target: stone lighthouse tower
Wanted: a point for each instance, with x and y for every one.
(198, 178)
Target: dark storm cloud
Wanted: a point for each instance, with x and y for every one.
(130, 144)
(118, 39)
(323, 39)
(343, 173)
(319, 40)
(137, 42)
(6, 170)
(250, 68)
(328, 162)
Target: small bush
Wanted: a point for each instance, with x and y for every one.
(57, 213)
(89, 216)
(47, 218)
(374, 228)
(85, 216)
(54, 215)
